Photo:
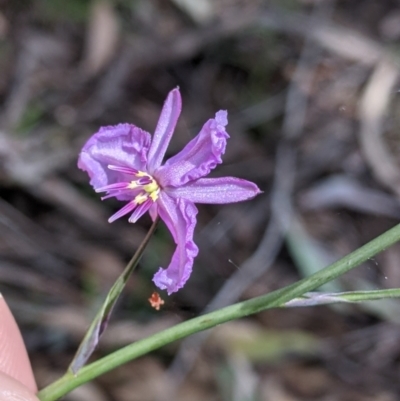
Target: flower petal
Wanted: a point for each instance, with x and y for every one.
(199, 156)
(123, 145)
(165, 128)
(216, 190)
(180, 217)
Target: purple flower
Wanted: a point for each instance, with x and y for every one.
(125, 162)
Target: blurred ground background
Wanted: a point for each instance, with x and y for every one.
(312, 90)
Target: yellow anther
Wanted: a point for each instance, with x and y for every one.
(154, 194)
(149, 188)
(133, 185)
(139, 199)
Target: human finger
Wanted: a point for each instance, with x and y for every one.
(13, 390)
(14, 361)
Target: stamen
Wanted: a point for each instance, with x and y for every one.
(145, 180)
(126, 170)
(126, 193)
(140, 211)
(154, 195)
(122, 212)
(108, 196)
(142, 197)
(133, 185)
(113, 187)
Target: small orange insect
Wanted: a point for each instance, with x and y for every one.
(156, 301)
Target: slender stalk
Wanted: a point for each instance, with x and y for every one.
(372, 295)
(100, 321)
(130, 267)
(274, 299)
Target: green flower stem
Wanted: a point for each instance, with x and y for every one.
(100, 321)
(274, 299)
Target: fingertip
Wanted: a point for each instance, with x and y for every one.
(13, 390)
(14, 360)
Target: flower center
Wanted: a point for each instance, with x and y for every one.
(142, 190)
(147, 184)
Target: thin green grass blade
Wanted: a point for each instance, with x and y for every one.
(327, 298)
